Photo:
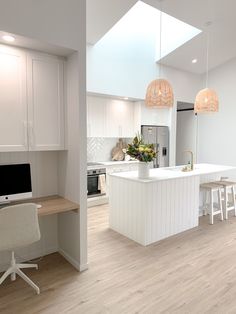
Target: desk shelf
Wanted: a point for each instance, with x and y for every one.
(53, 205)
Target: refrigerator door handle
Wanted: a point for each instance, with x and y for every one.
(164, 151)
(156, 160)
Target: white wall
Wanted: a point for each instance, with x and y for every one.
(186, 136)
(120, 70)
(217, 130)
(69, 183)
(43, 169)
(44, 174)
(185, 86)
(60, 23)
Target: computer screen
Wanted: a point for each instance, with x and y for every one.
(15, 182)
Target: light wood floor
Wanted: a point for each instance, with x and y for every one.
(194, 272)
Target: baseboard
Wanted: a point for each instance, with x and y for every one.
(83, 267)
(35, 255)
(96, 201)
(72, 261)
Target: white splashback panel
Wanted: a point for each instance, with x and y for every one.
(99, 148)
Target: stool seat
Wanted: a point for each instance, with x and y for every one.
(210, 185)
(225, 183)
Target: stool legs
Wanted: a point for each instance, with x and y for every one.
(225, 202)
(220, 204)
(229, 204)
(233, 196)
(211, 208)
(209, 205)
(204, 203)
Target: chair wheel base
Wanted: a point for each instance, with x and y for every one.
(15, 269)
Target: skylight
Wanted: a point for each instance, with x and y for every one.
(141, 24)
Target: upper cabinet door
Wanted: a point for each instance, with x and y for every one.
(45, 102)
(13, 105)
(120, 118)
(115, 109)
(127, 120)
(96, 117)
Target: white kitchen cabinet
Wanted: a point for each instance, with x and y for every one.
(120, 118)
(96, 117)
(111, 167)
(127, 120)
(45, 102)
(31, 101)
(113, 113)
(108, 117)
(13, 105)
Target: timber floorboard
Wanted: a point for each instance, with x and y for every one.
(193, 272)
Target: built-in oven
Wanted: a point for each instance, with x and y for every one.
(96, 181)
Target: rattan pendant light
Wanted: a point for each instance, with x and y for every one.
(206, 100)
(159, 92)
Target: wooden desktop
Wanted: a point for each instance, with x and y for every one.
(52, 205)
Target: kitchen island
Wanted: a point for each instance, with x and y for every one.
(167, 203)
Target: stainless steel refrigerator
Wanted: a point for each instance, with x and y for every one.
(159, 136)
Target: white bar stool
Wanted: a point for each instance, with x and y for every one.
(228, 196)
(212, 208)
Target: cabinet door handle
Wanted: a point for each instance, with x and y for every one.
(89, 130)
(120, 131)
(31, 135)
(25, 134)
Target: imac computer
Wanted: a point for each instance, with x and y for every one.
(15, 182)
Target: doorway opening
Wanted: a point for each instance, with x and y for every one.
(186, 132)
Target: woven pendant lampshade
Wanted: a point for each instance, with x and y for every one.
(206, 101)
(159, 94)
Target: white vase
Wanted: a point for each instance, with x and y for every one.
(143, 170)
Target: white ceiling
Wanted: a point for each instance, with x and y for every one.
(33, 44)
(103, 14)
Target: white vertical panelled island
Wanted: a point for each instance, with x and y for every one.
(165, 204)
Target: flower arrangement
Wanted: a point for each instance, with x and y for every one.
(141, 151)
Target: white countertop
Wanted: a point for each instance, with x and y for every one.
(123, 162)
(173, 172)
(105, 164)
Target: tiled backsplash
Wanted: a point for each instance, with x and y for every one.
(99, 148)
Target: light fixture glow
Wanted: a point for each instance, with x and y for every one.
(8, 38)
(159, 94)
(206, 101)
(194, 61)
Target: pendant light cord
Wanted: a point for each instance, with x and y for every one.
(197, 129)
(160, 37)
(207, 59)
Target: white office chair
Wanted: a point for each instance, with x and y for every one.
(19, 227)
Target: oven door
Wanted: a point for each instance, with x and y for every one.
(92, 185)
